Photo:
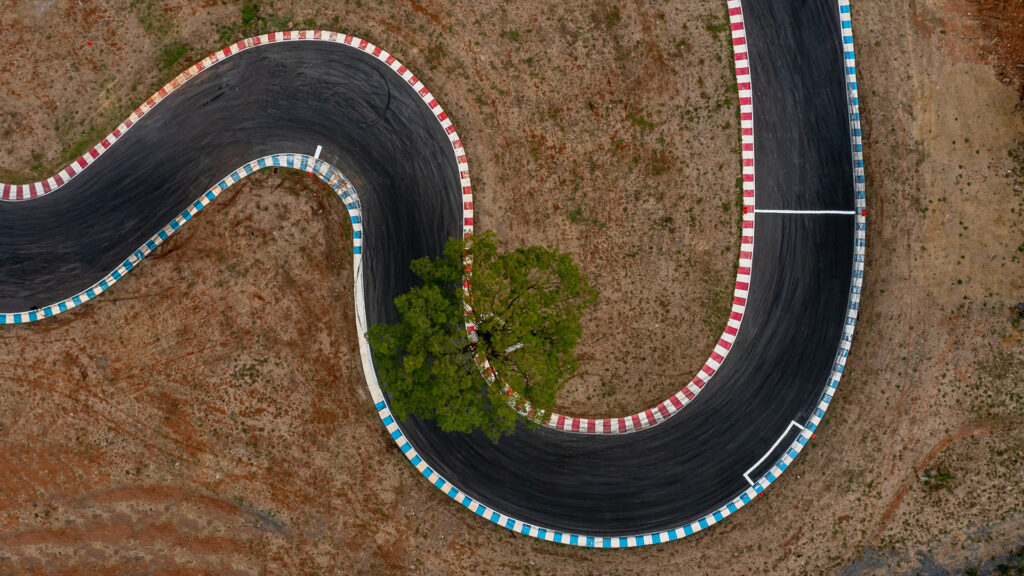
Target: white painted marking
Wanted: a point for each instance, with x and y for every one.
(513, 347)
(318, 149)
(849, 212)
(746, 475)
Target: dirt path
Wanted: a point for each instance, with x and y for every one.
(969, 429)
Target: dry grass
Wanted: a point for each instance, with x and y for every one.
(208, 415)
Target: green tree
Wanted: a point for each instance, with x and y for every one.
(527, 309)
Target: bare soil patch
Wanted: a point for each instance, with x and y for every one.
(208, 415)
(1000, 28)
(578, 134)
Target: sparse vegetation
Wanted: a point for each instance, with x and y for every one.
(527, 309)
(545, 119)
(173, 53)
(937, 478)
(151, 16)
(255, 19)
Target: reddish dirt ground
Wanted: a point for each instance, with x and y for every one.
(208, 415)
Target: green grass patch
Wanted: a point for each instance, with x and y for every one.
(577, 216)
(150, 16)
(639, 121)
(172, 53)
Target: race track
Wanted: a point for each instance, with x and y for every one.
(645, 487)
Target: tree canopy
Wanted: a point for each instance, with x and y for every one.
(527, 306)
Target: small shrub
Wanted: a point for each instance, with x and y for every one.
(172, 53)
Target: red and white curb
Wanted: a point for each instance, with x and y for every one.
(333, 177)
(619, 425)
(807, 430)
(11, 192)
(653, 416)
(17, 192)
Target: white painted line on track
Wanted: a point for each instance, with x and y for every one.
(318, 149)
(766, 211)
(18, 193)
(746, 475)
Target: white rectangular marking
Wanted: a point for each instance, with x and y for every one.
(849, 212)
(746, 475)
(318, 149)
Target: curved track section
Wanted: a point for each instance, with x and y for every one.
(671, 406)
(654, 485)
(325, 172)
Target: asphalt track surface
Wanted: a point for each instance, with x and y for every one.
(294, 96)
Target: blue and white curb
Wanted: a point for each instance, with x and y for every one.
(343, 188)
(807, 430)
(334, 178)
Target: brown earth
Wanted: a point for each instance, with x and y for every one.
(998, 29)
(577, 114)
(208, 415)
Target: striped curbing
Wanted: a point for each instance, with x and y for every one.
(334, 178)
(631, 423)
(807, 431)
(860, 216)
(380, 402)
(653, 416)
(394, 430)
(21, 192)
